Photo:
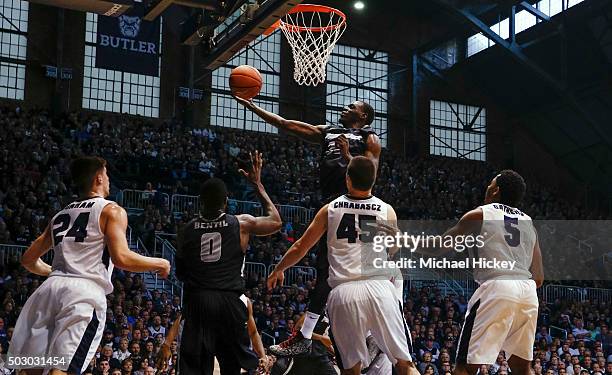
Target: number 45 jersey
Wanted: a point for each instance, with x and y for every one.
(78, 243)
(508, 235)
(350, 233)
(209, 255)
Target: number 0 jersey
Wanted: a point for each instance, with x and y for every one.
(509, 235)
(349, 239)
(79, 245)
(209, 255)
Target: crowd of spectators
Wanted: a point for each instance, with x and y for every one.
(170, 158)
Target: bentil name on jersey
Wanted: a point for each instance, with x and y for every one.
(357, 206)
(210, 224)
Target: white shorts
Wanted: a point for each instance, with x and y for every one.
(501, 315)
(63, 320)
(356, 307)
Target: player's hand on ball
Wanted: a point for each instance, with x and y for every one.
(343, 144)
(254, 173)
(245, 102)
(275, 279)
(164, 269)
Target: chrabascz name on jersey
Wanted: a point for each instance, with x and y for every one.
(357, 206)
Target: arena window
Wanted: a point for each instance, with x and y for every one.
(13, 46)
(116, 91)
(457, 130)
(264, 54)
(523, 21)
(358, 74)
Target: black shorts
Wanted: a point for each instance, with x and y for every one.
(215, 325)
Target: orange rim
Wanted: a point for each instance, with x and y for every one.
(310, 8)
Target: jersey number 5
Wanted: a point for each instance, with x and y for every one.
(210, 247)
(347, 229)
(78, 230)
(513, 238)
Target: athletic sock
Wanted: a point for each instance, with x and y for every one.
(309, 324)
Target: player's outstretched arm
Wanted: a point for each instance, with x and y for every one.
(31, 261)
(114, 218)
(469, 224)
(271, 221)
(315, 231)
(537, 268)
(307, 132)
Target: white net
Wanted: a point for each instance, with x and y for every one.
(312, 35)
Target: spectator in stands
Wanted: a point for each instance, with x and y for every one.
(127, 367)
(156, 327)
(427, 362)
(123, 352)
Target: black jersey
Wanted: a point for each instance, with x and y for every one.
(209, 255)
(333, 165)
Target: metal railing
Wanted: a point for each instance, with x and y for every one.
(258, 269)
(7, 252)
(235, 207)
(140, 199)
(297, 275)
(180, 203)
(563, 292)
(185, 203)
(288, 213)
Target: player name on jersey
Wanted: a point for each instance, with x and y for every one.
(357, 206)
(86, 204)
(210, 225)
(508, 209)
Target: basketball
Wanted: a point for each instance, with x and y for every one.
(245, 81)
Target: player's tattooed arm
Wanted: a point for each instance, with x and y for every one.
(31, 261)
(313, 234)
(271, 221)
(258, 347)
(307, 132)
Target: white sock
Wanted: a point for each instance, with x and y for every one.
(309, 324)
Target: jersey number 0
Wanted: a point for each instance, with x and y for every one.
(210, 247)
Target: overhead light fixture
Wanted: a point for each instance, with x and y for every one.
(359, 5)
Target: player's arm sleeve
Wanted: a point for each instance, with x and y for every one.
(537, 268)
(313, 234)
(31, 261)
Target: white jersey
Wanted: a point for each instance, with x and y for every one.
(509, 235)
(349, 239)
(79, 245)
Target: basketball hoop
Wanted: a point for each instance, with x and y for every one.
(312, 32)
